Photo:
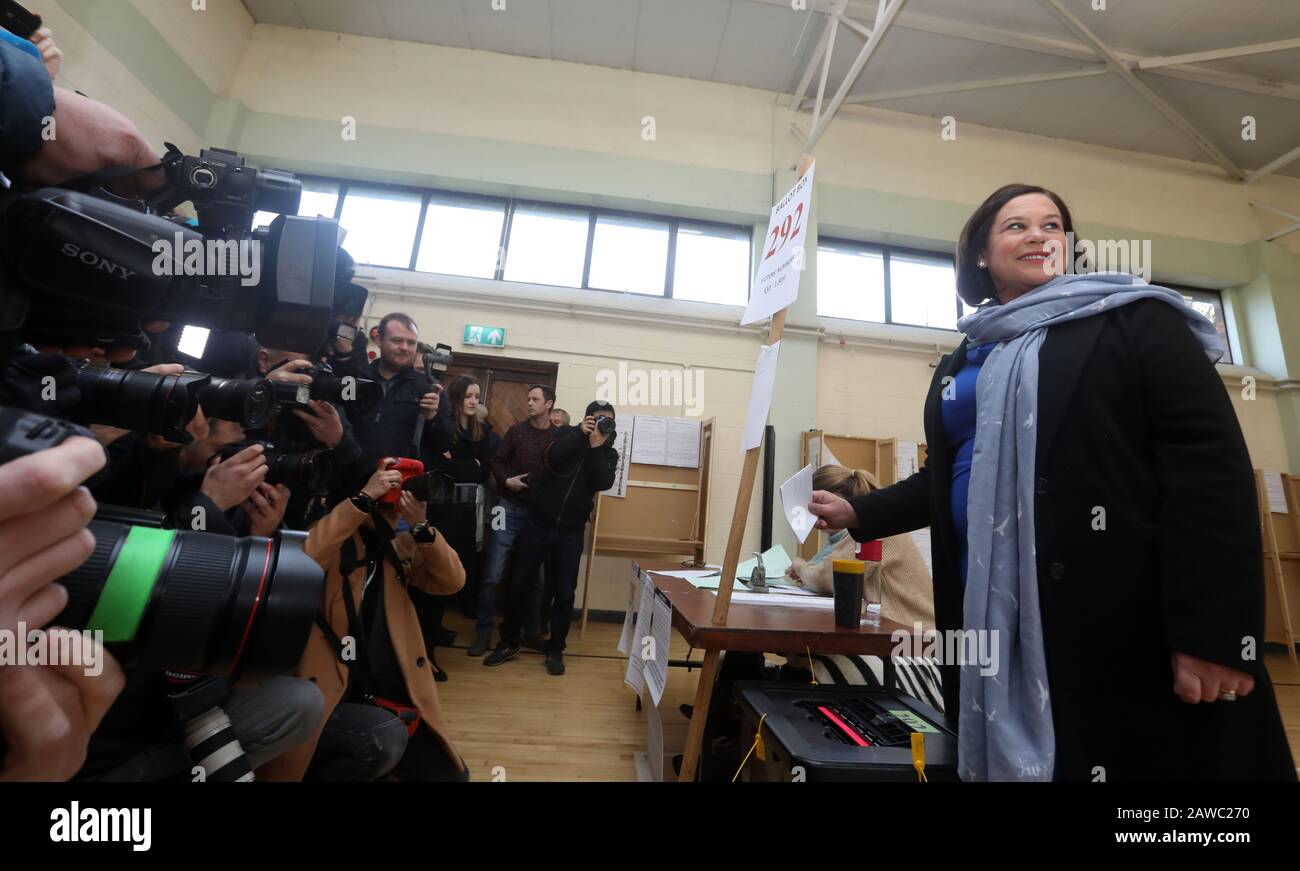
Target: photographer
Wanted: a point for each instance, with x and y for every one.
(580, 463)
(389, 429)
(366, 652)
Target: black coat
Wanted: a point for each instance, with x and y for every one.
(388, 429)
(1132, 418)
(572, 473)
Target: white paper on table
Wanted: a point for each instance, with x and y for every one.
(796, 494)
(683, 443)
(906, 460)
(625, 640)
(656, 668)
(1276, 492)
(789, 600)
(650, 440)
(815, 451)
(654, 732)
(776, 281)
(623, 446)
(760, 396)
(635, 677)
(828, 456)
(922, 539)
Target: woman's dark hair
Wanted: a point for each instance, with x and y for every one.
(975, 285)
(456, 390)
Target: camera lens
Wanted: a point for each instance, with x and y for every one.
(250, 403)
(358, 394)
(306, 472)
(605, 425)
(133, 399)
(197, 601)
(202, 176)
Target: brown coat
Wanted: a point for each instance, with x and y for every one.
(434, 568)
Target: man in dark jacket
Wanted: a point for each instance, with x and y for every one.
(580, 463)
(389, 428)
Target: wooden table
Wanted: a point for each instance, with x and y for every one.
(755, 628)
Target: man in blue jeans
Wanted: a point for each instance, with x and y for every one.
(580, 463)
(517, 458)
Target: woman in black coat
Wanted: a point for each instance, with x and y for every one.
(1142, 578)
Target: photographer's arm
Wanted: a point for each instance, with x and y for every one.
(561, 454)
(327, 535)
(435, 566)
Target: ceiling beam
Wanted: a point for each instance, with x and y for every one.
(826, 69)
(978, 85)
(884, 21)
(844, 19)
(1068, 49)
(1290, 157)
(806, 79)
(1086, 36)
(1149, 63)
(1285, 231)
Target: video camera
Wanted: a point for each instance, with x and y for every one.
(93, 268)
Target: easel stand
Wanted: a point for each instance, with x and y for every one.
(709, 673)
(1281, 547)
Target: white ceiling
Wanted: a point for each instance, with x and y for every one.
(767, 44)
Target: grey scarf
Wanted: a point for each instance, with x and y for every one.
(1005, 718)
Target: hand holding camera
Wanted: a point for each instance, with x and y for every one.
(229, 482)
(429, 402)
(413, 511)
(322, 419)
(265, 507)
(386, 478)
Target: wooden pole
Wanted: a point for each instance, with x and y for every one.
(704, 690)
(1270, 549)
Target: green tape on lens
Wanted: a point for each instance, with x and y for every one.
(130, 582)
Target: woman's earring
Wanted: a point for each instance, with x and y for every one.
(982, 264)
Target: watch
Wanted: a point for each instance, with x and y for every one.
(424, 533)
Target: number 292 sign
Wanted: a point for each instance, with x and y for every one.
(776, 283)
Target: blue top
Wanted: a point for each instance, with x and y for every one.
(957, 405)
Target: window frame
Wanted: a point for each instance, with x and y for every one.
(887, 252)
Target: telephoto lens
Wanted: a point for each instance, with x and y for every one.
(431, 487)
(195, 601)
(250, 403)
(133, 399)
(307, 472)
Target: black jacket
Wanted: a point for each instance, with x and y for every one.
(471, 461)
(388, 429)
(1134, 419)
(572, 474)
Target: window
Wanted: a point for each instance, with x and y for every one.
(711, 265)
(887, 285)
(318, 198)
(461, 236)
(630, 254)
(1210, 304)
(923, 291)
(547, 245)
(381, 225)
(851, 283)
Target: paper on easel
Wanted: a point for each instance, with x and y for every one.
(906, 460)
(796, 494)
(760, 396)
(828, 456)
(815, 451)
(650, 442)
(656, 667)
(635, 676)
(776, 282)
(921, 537)
(623, 446)
(683, 448)
(1276, 492)
(629, 614)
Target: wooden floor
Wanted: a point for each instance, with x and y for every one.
(584, 725)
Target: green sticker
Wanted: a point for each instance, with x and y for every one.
(911, 719)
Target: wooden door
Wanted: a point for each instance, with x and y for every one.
(505, 382)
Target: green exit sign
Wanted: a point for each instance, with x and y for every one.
(488, 337)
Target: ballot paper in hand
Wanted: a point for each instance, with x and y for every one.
(796, 494)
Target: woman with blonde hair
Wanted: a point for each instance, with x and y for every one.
(899, 581)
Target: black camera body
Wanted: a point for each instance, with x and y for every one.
(605, 425)
(359, 394)
(439, 488)
(224, 187)
(306, 472)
